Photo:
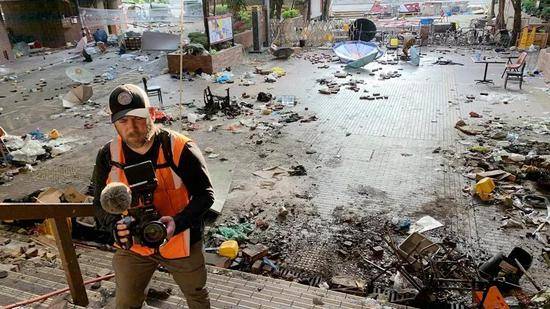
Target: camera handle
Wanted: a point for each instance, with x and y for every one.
(128, 221)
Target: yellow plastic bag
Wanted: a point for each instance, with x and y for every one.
(229, 248)
(54, 134)
(484, 188)
(278, 71)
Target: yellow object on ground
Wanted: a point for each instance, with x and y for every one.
(394, 42)
(229, 248)
(278, 71)
(54, 134)
(484, 188)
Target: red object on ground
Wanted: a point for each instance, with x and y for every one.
(475, 115)
(161, 116)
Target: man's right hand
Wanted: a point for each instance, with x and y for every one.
(122, 233)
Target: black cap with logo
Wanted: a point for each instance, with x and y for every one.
(128, 100)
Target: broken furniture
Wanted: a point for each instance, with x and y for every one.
(515, 70)
(154, 90)
(59, 212)
(215, 103)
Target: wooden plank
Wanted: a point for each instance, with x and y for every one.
(67, 255)
(14, 211)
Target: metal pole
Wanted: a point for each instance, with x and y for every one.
(267, 14)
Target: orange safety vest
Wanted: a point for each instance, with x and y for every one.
(170, 196)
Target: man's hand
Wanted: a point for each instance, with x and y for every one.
(170, 226)
(122, 234)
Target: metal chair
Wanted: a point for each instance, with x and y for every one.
(515, 70)
(154, 90)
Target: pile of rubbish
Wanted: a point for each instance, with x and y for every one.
(416, 264)
(19, 153)
(511, 171)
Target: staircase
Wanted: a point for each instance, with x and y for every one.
(228, 289)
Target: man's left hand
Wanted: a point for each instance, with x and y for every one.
(170, 225)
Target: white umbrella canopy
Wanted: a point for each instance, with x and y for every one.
(79, 75)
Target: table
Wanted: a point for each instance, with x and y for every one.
(487, 61)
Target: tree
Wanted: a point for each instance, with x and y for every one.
(276, 8)
(500, 16)
(516, 29)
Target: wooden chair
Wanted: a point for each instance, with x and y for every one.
(154, 90)
(515, 70)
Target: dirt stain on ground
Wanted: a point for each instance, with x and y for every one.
(440, 207)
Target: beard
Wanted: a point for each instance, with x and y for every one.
(137, 139)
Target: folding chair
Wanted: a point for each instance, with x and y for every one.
(154, 90)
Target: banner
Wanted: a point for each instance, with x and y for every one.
(220, 28)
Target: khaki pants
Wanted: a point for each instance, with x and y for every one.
(133, 273)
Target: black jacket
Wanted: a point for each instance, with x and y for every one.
(191, 168)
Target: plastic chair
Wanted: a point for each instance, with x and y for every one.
(154, 90)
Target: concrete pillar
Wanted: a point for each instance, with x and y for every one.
(6, 53)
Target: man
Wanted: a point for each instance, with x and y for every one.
(81, 48)
(182, 196)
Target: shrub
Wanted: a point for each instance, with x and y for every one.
(290, 13)
(246, 17)
(221, 9)
(198, 38)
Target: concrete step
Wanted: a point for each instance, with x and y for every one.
(228, 289)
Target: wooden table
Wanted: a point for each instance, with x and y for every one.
(487, 61)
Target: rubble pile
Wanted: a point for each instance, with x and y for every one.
(320, 58)
(511, 167)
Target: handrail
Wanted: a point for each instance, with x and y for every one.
(59, 212)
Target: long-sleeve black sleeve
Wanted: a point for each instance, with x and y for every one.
(195, 177)
(104, 220)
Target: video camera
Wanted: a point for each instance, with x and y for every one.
(135, 203)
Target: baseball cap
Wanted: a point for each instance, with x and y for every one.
(128, 100)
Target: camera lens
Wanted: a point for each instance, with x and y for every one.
(154, 233)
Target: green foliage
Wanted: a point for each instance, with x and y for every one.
(246, 17)
(529, 6)
(221, 9)
(236, 5)
(290, 13)
(545, 14)
(198, 38)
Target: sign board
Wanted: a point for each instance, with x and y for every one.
(220, 28)
(315, 8)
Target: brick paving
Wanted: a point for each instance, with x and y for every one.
(228, 289)
(387, 146)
